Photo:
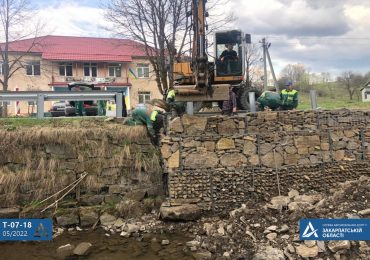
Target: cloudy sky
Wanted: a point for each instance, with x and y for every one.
(325, 35)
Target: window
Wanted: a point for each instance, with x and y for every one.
(1, 68)
(90, 70)
(114, 70)
(143, 70)
(33, 68)
(143, 97)
(65, 69)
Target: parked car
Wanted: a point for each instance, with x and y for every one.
(58, 108)
(90, 107)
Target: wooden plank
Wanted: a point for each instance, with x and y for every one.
(220, 93)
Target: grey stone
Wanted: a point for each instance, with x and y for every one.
(83, 248)
(65, 251)
(225, 144)
(269, 253)
(265, 148)
(272, 228)
(271, 236)
(182, 212)
(202, 255)
(293, 206)
(227, 127)
(193, 243)
(249, 148)
(88, 217)
(305, 251)
(9, 212)
(364, 212)
(69, 218)
(233, 160)
(284, 228)
(310, 243)
(165, 242)
(335, 246)
(201, 160)
(107, 219)
(193, 124)
(125, 234)
(119, 223)
(312, 199)
(132, 228)
(272, 161)
(166, 151)
(92, 200)
(321, 246)
(279, 202)
(176, 125)
(293, 193)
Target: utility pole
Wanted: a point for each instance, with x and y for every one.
(264, 64)
(272, 68)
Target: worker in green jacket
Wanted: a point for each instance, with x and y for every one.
(177, 107)
(289, 97)
(152, 119)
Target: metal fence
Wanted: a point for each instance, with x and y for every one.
(41, 96)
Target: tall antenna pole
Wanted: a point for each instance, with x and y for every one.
(264, 64)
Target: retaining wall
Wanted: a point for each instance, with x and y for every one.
(38, 161)
(220, 162)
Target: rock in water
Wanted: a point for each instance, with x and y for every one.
(165, 242)
(82, 248)
(183, 212)
(65, 250)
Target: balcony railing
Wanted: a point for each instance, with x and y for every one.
(69, 79)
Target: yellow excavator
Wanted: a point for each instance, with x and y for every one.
(203, 80)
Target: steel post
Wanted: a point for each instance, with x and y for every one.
(119, 104)
(190, 108)
(313, 99)
(252, 101)
(40, 106)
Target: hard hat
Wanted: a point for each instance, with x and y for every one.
(289, 83)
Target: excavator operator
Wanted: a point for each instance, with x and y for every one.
(228, 59)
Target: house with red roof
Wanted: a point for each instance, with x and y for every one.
(51, 62)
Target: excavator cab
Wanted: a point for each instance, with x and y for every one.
(230, 57)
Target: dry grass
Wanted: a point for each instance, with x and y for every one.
(41, 174)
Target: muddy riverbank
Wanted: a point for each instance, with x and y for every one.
(146, 247)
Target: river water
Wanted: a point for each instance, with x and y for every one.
(112, 248)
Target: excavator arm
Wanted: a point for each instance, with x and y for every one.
(199, 63)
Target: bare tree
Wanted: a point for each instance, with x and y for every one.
(162, 27)
(252, 60)
(16, 17)
(352, 82)
(294, 72)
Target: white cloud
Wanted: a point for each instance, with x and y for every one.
(326, 35)
(73, 19)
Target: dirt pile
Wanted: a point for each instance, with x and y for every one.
(271, 230)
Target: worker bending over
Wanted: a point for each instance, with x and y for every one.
(289, 97)
(152, 119)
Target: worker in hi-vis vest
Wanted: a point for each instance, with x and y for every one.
(152, 119)
(289, 97)
(177, 108)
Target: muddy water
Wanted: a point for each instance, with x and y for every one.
(112, 248)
